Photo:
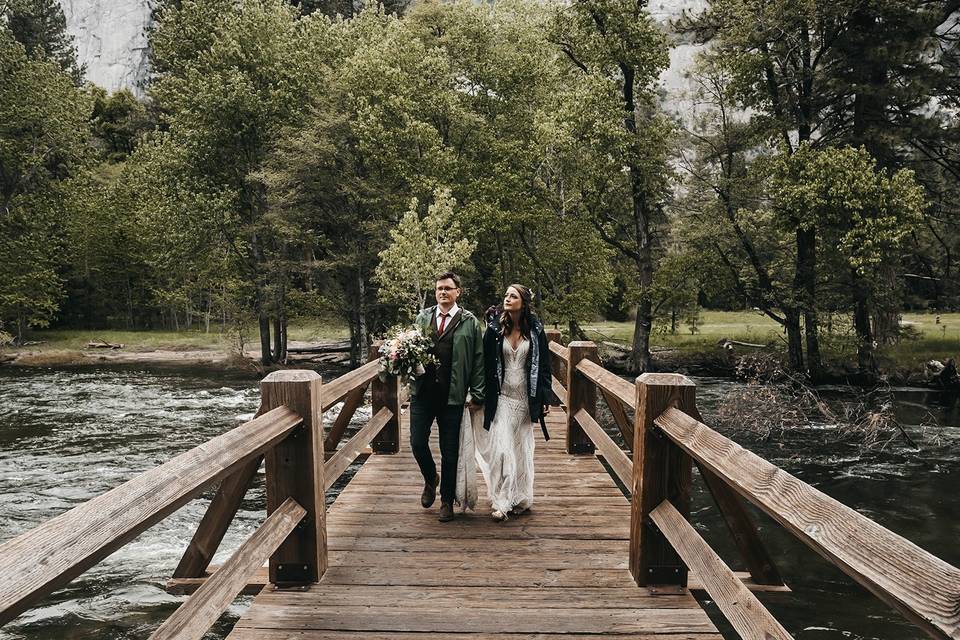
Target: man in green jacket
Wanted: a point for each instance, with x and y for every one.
(441, 393)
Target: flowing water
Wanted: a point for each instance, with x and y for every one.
(69, 435)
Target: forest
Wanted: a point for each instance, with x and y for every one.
(325, 160)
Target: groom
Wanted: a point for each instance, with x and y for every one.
(441, 392)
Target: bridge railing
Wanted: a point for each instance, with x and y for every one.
(667, 438)
(286, 435)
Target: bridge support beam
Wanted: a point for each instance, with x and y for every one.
(385, 394)
(294, 469)
(661, 471)
(581, 394)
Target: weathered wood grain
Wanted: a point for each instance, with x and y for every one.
(619, 417)
(338, 388)
(52, 554)
(559, 350)
(195, 616)
(294, 469)
(921, 586)
(558, 390)
(323, 634)
(614, 384)
(385, 394)
(216, 520)
(336, 465)
(581, 395)
(741, 608)
(612, 453)
(660, 472)
(351, 403)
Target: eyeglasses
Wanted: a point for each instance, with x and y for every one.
(447, 288)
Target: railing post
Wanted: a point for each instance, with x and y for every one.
(661, 471)
(581, 394)
(385, 394)
(294, 469)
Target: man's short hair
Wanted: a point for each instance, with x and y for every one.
(448, 275)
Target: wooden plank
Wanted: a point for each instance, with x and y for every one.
(558, 390)
(195, 616)
(559, 350)
(52, 554)
(619, 416)
(743, 530)
(350, 405)
(614, 384)
(385, 394)
(921, 586)
(581, 394)
(741, 608)
(612, 453)
(659, 474)
(336, 465)
(216, 520)
(337, 389)
(325, 634)
(256, 584)
(294, 469)
(426, 618)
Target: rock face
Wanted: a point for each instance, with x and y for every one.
(111, 40)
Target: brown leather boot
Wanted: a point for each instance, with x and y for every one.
(446, 512)
(429, 493)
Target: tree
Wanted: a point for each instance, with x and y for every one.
(43, 143)
(419, 249)
(616, 54)
(41, 27)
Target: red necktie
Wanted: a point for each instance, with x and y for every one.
(443, 322)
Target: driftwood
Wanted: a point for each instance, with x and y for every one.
(338, 346)
(727, 343)
(103, 344)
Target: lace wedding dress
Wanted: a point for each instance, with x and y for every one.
(505, 453)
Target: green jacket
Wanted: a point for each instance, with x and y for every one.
(467, 367)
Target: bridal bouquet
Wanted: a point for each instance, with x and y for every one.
(405, 353)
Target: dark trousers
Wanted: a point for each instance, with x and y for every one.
(448, 416)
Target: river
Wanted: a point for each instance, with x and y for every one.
(69, 435)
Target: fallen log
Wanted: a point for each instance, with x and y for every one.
(338, 346)
(103, 344)
(727, 343)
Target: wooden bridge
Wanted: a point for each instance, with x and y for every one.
(586, 562)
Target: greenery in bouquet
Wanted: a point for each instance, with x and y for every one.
(405, 353)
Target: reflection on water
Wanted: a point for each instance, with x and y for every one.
(67, 436)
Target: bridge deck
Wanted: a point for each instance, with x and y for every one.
(396, 572)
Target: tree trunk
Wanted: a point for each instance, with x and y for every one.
(640, 354)
(794, 339)
(279, 339)
(266, 357)
(861, 325)
(805, 282)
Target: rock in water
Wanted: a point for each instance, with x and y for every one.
(111, 40)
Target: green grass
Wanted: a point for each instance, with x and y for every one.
(926, 339)
(77, 339)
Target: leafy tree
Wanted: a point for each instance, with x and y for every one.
(615, 135)
(43, 143)
(41, 27)
(118, 121)
(419, 249)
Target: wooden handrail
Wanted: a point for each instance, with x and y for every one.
(559, 350)
(336, 390)
(54, 553)
(611, 382)
(336, 465)
(351, 403)
(618, 460)
(746, 615)
(195, 616)
(921, 586)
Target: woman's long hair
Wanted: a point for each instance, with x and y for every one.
(526, 313)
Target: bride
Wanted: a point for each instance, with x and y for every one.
(517, 366)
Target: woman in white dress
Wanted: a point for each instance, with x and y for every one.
(518, 378)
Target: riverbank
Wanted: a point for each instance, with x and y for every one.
(696, 348)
